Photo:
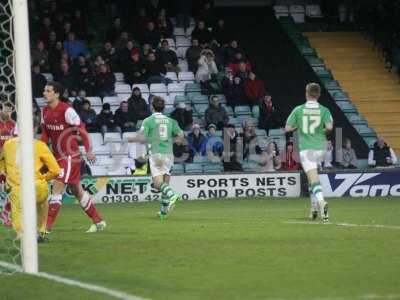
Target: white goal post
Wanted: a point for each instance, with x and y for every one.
(22, 64)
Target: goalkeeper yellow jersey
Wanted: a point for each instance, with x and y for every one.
(46, 166)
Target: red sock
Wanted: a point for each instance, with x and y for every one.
(7, 207)
(54, 208)
(88, 206)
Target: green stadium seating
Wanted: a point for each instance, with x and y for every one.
(255, 111)
(192, 87)
(193, 168)
(315, 61)
(213, 168)
(242, 110)
(346, 107)
(178, 169)
(200, 99)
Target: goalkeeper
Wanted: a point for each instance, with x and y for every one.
(46, 169)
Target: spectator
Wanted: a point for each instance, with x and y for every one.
(196, 140)
(182, 115)
(164, 25)
(51, 40)
(235, 93)
(290, 159)
(184, 8)
(109, 55)
(137, 106)
(124, 119)
(105, 81)
(106, 120)
(243, 71)
(235, 63)
(77, 104)
(45, 28)
(212, 145)
(216, 114)
(125, 55)
(192, 55)
(181, 151)
(78, 63)
(153, 8)
(99, 61)
(270, 160)
(167, 57)
(268, 118)
(120, 42)
(254, 89)
(328, 156)
(79, 24)
(231, 50)
(86, 81)
(347, 158)
(207, 67)
(207, 14)
(155, 71)
(41, 56)
(38, 81)
(65, 77)
(201, 33)
(151, 35)
(88, 116)
(381, 155)
(231, 155)
(74, 47)
(219, 53)
(55, 54)
(220, 33)
(134, 70)
(141, 21)
(115, 31)
(249, 138)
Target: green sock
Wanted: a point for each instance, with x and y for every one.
(316, 190)
(166, 190)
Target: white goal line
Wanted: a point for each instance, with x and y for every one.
(87, 286)
(345, 224)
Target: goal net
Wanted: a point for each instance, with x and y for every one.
(16, 99)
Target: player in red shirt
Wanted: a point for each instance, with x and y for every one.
(7, 131)
(61, 126)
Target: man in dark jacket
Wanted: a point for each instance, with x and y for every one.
(183, 116)
(38, 81)
(137, 106)
(105, 82)
(106, 121)
(193, 55)
(124, 119)
(86, 81)
(88, 116)
(216, 114)
(167, 57)
(381, 155)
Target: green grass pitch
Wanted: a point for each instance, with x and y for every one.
(223, 249)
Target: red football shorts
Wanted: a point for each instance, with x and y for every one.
(70, 169)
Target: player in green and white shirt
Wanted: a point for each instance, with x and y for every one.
(313, 121)
(159, 131)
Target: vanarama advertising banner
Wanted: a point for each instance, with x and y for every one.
(127, 189)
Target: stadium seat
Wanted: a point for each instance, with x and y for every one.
(48, 76)
(95, 101)
(276, 132)
(356, 119)
(112, 100)
(298, 13)
(176, 87)
(250, 167)
(123, 89)
(200, 108)
(315, 61)
(124, 97)
(119, 77)
(168, 110)
(281, 11)
(362, 163)
(182, 41)
(313, 11)
(102, 150)
(254, 158)
(242, 110)
(181, 52)
(112, 137)
(185, 76)
(118, 148)
(339, 95)
(330, 84)
(242, 119)
(96, 139)
(97, 109)
(200, 99)
(229, 110)
(98, 170)
(200, 159)
(120, 171)
(158, 88)
(193, 168)
(179, 31)
(346, 107)
(183, 65)
(261, 132)
(114, 108)
(172, 76)
(255, 111)
(182, 98)
(213, 168)
(144, 88)
(178, 169)
(322, 72)
(369, 140)
(172, 97)
(103, 160)
(364, 130)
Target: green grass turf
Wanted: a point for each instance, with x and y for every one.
(223, 249)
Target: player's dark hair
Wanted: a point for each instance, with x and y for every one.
(158, 104)
(57, 87)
